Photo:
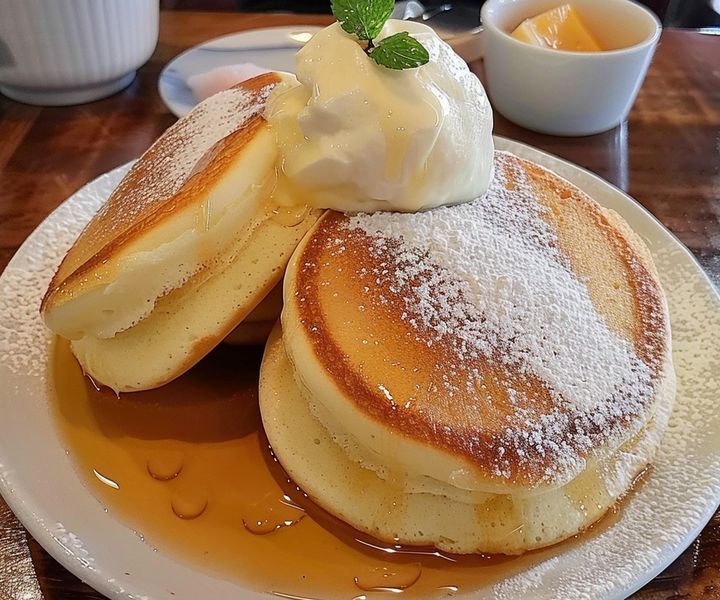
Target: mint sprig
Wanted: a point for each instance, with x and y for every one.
(400, 51)
(365, 20)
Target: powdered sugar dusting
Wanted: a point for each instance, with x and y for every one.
(167, 165)
(190, 138)
(72, 545)
(531, 581)
(24, 339)
(488, 278)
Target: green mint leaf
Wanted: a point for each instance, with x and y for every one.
(400, 51)
(364, 18)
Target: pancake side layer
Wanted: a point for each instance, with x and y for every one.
(399, 509)
(190, 321)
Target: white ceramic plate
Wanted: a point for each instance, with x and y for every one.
(39, 482)
(273, 48)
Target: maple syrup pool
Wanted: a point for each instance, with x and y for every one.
(188, 467)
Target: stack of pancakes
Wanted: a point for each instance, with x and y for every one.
(486, 377)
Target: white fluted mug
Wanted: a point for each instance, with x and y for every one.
(61, 52)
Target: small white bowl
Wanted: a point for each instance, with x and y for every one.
(568, 93)
(60, 52)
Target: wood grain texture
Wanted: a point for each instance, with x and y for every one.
(667, 156)
(17, 575)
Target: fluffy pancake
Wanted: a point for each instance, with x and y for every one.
(422, 512)
(186, 246)
(506, 346)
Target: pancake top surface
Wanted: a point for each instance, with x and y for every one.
(520, 333)
(151, 189)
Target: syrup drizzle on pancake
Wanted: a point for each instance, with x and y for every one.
(488, 280)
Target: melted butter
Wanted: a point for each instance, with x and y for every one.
(188, 467)
(290, 216)
(286, 203)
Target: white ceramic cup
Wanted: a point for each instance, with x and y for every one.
(59, 52)
(568, 93)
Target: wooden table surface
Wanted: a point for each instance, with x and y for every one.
(667, 156)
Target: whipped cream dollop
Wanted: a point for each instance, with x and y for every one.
(357, 136)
